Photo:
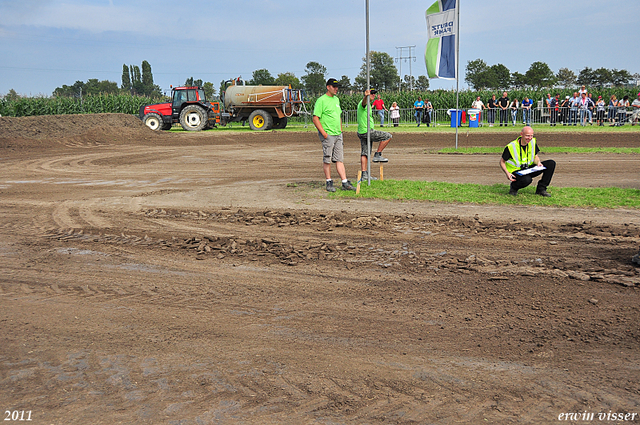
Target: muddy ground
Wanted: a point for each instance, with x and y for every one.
(206, 278)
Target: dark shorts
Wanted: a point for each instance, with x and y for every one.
(377, 136)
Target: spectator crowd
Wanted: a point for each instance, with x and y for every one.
(580, 108)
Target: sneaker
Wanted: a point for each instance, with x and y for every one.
(330, 187)
(347, 186)
(513, 192)
(365, 177)
(377, 157)
(543, 192)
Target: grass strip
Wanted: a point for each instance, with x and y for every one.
(572, 197)
(513, 132)
(546, 149)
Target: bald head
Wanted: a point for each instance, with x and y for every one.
(526, 135)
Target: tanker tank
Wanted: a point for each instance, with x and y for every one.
(263, 107)
(240, 95)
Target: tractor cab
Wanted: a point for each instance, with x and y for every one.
(182, 95)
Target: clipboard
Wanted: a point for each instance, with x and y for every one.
(530, 170)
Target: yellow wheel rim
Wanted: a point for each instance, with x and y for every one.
(258, 121)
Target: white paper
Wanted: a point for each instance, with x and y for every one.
(530, 170)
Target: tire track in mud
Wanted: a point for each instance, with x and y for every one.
(300, 240)
(266, 392)
(406, 388)
(97, 162)
(263, 249)
(410, 248)
(462, 390)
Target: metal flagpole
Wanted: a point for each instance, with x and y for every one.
(368, 102)
(458, 115)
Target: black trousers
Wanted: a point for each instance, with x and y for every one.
(491, 116)
(504, 116)
(563, 114)
(545, 181)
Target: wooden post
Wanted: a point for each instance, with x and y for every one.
(381, 173)
(359, 181)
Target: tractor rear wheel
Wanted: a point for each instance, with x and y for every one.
(260, 120)
(280, 123)
(153, 121)
(193, 118)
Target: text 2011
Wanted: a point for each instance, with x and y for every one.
(17, 415)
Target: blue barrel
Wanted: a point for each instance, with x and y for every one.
(456, 117)
(474, 117)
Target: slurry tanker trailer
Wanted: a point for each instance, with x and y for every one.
(264, 107)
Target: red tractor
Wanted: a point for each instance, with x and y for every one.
(188, 106)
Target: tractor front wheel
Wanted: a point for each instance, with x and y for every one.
(193, 118)
(153, 121)
(260, 120)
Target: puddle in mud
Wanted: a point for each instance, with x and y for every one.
(136, 267)
(75, 251)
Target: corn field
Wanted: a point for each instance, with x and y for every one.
(128, 104)
(105, 103)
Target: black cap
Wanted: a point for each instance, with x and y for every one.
(333, 82)
(373, 91)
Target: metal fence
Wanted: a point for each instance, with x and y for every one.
(537, 115)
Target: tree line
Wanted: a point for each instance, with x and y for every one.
(139, 80)
(481, 76)
(383, 76)
(134, 81)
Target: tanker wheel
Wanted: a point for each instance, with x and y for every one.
(280, 123)
(193, 118)
(153, 121)
(260, 120)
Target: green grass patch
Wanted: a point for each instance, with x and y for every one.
(299, 125)
(573, 197)
(547, 149)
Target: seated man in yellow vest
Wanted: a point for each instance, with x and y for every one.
(522, 154)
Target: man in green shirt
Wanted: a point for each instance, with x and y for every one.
(381, 137)
(327, 119)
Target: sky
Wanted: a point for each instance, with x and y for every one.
(45, 44)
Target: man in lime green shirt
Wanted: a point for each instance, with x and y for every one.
(327, 119)
(376, 136)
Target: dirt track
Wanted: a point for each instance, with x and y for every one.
(180, 278)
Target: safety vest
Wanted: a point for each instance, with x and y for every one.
(519, 161)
